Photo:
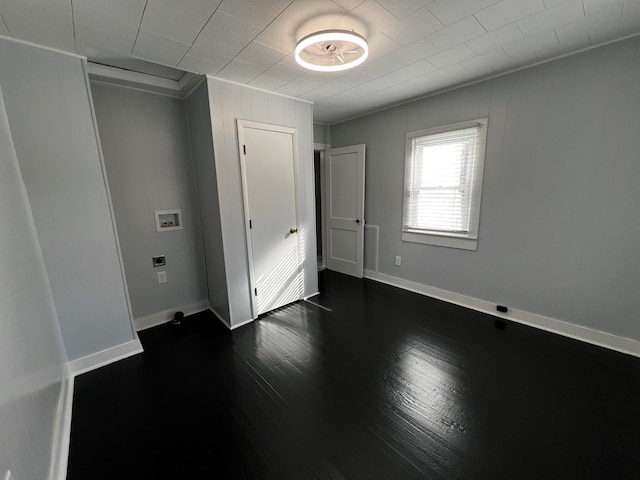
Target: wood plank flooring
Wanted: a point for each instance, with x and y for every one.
(375, 383)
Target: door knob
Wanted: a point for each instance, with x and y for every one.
(293, 230)
(357, 220)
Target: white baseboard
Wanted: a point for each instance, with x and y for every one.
(159, 318)
(238, 325)
(219, 317)
(571, 330)
(104, 357)
(62, 433)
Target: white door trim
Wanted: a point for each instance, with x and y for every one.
(241, 125)
(358, 270)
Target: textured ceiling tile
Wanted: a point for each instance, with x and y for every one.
(260, 54)
(415, 51)
(554, 17)
(284, 72)
(199, 65)
(402, 8)
(119, 17)
(293, 23)
(449, 76)
(374, 16)
(222, 39)
(3, 28)
(630, 25)
(496, 38)
(332, 88)
(50, 34)
(553, 3)
(239, 71)
(508, 11)
(298, 86)
(341, 98)
(380, 45)
(348, 5)
(362, 90)
(382, 66)
(314, 96)
(592, 6)
(256, 12)
(229, 30)
(457, 33)
(449, 12)
(420, 24)
(266, 82)
(574, 32)
(213, 51)
(486, 63)
(631, 12)
(452, 56)
(354, 78)
(403, 74)
(151, 44)
(532, 46)
(108, 41)
(171, 23)
(49, 23)
(202, 9)
(319, 78)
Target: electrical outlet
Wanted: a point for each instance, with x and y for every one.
(8, 476)
(162, 277)
(398, 261)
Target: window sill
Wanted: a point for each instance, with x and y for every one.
(451, 241)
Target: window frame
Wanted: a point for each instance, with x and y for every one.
(467, 240)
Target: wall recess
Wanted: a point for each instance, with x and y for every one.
(168, 220)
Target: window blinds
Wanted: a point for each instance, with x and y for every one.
(441, 179)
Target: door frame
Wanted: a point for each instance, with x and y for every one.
(240, 126)
(360, 149)
(322, 148)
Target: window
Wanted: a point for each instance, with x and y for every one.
(443, 183)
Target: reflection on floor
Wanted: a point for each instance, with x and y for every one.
(378, 384)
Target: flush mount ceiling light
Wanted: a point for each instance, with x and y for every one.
(331, 50)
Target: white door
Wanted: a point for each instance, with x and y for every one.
(345, 209)
(269, 179)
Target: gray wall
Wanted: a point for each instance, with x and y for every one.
(321, 134)
(207, 189)
(559, 226)
(48, 106)
(146, 147)
(31, 350)
(227, 103)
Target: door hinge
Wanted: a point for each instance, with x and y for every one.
(244, 149)
(255, 291)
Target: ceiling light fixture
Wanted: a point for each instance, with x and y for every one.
(331, 50)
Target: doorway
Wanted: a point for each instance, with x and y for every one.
(269, 182)
(344, 216)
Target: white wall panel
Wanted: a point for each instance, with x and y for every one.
(559, 227)
(229, 102)
(31, 350)
(49, 110)
(209, 205)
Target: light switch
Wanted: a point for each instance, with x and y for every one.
(162, 277)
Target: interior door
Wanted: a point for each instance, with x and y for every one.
(345, 209)
(268, 165)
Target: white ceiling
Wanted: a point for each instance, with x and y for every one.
(416, 46)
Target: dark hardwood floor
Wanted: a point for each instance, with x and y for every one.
(379, 384)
